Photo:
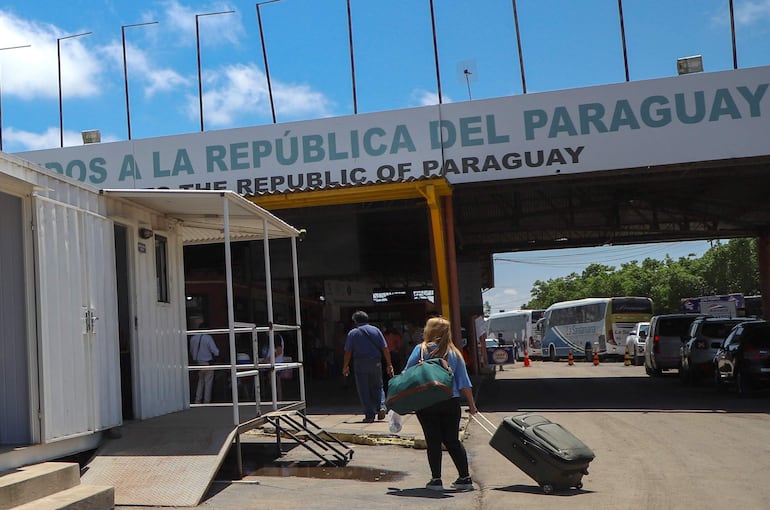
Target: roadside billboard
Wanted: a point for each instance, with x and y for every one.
(725, 305)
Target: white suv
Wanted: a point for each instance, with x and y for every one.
(635, 342)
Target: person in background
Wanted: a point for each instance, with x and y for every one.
(365, 345)
(203, 350)
(501, 341)
(395, 346)
(411, 336)
(279, 358)
(441, 422)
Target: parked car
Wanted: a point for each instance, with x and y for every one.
(744, 358)
(667, 333)
(705, 338)
(635, 342)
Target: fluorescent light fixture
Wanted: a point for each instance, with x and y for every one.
(687, 65)
(91, 136)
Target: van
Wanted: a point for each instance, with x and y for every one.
(665, 337)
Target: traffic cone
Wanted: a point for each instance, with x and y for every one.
(627, 358)
(596, 358)
(570, 358)
(526, 358)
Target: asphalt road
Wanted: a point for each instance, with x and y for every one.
(658, 445)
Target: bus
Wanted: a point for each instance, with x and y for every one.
(516, 328)
(585, 325)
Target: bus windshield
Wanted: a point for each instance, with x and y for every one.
(631, 305)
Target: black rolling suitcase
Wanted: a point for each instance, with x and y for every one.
(547, 452)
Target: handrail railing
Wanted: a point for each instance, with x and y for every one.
(241, 370)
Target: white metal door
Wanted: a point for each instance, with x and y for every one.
(78, 353)
(103, 336)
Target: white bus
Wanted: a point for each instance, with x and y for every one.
(585, 325)
(516, 328)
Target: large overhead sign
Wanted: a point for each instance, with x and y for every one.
(689, 118)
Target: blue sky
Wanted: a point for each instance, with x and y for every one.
(565, 44)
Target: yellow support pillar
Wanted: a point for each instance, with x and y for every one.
(439, 248)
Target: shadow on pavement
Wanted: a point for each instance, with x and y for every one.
(664, 393)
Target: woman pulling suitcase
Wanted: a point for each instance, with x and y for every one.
(441, 422)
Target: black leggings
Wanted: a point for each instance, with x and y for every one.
(441, 424)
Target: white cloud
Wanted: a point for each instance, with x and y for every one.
(296, 100)
(32, 72)
(25, 140)
(15, 140)
(238, 91)
(142, 70)
(752, 11)
(422, 97)
(505, 298)
(213, 29)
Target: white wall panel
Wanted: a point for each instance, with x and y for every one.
(160, 351)
(61, 305)
(104, 342)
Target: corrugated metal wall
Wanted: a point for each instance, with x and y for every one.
(158, 350)
(64, 371)
(103, 301)
(78, 368)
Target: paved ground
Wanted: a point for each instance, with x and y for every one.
(658, 445)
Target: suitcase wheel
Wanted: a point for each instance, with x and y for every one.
(549, 489)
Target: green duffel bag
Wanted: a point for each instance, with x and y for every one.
(420, 386)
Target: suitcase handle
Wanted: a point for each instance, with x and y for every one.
(478, 417)
(483, 425)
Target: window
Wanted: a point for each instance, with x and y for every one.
(161, 268)
(631, 305)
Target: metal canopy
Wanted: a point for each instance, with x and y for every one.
(202, 214)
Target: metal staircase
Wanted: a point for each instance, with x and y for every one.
(329, 450)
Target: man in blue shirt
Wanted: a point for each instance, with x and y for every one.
(366, 346)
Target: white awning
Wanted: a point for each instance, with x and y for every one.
(202, 214)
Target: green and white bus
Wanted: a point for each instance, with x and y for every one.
(592, 324)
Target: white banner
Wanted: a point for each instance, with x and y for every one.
(689, 118)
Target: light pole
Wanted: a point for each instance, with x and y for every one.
(732, 32)
(352, 60)
(125, 67)
(1, 98)
(623, 37)
(518, 44)
(264, 55)
(198, 46)
(435, 50)
(58, 60)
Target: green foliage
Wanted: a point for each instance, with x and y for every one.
(723, 269)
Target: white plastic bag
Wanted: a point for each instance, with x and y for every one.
(394, 422)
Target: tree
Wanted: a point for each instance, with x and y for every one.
(723, 269)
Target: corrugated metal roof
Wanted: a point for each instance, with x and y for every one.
(201, 214)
